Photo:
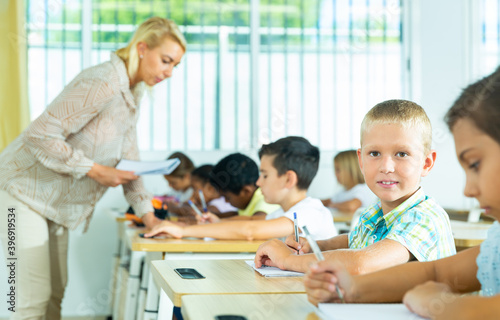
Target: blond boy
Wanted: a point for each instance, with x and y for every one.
(404, 224)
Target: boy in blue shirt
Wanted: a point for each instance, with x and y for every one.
(404, 224)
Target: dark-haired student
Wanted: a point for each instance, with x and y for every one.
(288, 167)
(216, 203)
(235, 177)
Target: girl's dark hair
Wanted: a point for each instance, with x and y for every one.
(202, 173)
(185, 167)
(234, 172)
(480, 103)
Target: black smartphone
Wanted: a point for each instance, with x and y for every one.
(230, 317)
(189, 273)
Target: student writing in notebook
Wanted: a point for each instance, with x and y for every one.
(404, 224)
(216, 203)
(180, 179)
(356, 193)
(474, 120)
(287, 168)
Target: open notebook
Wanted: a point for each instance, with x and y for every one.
(273, 271)
(380, 311)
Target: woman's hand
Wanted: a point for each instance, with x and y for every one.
(166, 227)
(322, 279)
(302, 247)
(109, 176)
(150, 220)
(429, 299)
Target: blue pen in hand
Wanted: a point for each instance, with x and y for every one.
(203, 202)
(296, 228)
(319, 256)
(198, 212)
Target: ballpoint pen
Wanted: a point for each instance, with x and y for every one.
(203, 202)
(194, 208)
(296, 228)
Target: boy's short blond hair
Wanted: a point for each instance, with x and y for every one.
(406, 113)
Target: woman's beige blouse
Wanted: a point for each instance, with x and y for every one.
(92, 120)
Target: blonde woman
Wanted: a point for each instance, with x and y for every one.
(60, 166)
(355, 194)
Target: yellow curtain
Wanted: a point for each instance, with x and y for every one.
(14, 110)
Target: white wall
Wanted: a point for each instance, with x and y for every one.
(441, 56)
(440, 59)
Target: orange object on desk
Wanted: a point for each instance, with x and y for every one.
(133, 217)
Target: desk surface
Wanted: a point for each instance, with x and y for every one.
(469, 234)
(340, 216)
(221, 277)
(130, 235)
(251, 306)
(191, 245)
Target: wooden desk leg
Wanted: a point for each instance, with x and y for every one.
(133, 283)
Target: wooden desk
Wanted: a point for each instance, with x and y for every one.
(251, 306)
(340, 216)
(469, 234)
(221, 277)
(191, 245)
(141, 293)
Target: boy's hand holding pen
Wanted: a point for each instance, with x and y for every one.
(319, 256)
(302, 246)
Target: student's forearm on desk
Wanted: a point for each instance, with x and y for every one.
(245, 230)
(378, 256)
(458, 271)
(257, 216)
(470, 307)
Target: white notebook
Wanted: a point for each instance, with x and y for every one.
(379, 311)
(149, 167)
(273, 271)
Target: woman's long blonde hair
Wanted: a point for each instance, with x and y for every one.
(152, 32)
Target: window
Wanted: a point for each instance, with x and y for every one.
(489, 55)
(254, 71)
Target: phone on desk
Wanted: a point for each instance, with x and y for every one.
(230, 317)
(142, 236)
(189, 273)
